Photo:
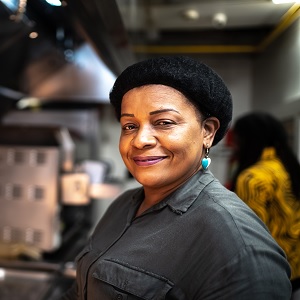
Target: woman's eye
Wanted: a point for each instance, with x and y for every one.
(164, 123)
(128, 127)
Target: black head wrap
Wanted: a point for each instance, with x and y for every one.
(196, 81)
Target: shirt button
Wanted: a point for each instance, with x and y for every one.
(119, 297)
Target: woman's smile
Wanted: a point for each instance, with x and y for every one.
(145, 161)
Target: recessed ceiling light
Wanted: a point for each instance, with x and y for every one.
(54, 2)
(191, 14)
(219, 20)
(33, 35)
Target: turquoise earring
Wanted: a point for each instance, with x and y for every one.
(206, 160)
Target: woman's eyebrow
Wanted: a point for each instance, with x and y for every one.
(163, 110)
(152, 112)
(126, 115)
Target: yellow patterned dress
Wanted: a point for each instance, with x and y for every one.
(266, 188)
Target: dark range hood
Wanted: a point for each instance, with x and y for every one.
(61, 31)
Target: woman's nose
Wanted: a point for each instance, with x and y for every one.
(144, 138)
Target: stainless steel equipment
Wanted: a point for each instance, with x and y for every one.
(30, 160)
(28, 195)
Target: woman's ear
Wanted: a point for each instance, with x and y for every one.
(211, 125)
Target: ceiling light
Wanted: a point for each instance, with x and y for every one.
(284, 1)
(219, 20)
(54, 2)
(33, 35)
(191, 14)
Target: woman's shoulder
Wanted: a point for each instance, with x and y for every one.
(225, 210)
(264, 171)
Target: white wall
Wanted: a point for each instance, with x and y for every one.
(277, 81)
(277, 75)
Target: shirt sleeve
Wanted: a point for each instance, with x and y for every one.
(255, 273)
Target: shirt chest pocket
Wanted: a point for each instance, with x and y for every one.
(131, 283)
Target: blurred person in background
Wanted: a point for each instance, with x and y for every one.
(181, 235)
(267, 178)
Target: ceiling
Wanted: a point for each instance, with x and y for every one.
(176, 15)
(125, 31)
(204, 26)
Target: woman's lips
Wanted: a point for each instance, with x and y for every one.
(148, 161)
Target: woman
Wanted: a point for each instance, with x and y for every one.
(182, 235)
(267, 179)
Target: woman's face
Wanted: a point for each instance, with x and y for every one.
(162, 137)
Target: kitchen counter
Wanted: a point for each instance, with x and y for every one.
(48, 279)
(33, 281)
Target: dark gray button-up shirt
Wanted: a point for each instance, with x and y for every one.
(201, 242)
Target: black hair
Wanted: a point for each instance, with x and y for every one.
(254, 132)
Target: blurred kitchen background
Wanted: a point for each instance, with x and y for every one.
(59, 161)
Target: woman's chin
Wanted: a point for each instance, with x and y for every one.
(149, 181)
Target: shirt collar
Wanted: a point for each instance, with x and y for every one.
(181, 199)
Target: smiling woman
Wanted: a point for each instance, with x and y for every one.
(162, 139)
(182, 235)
